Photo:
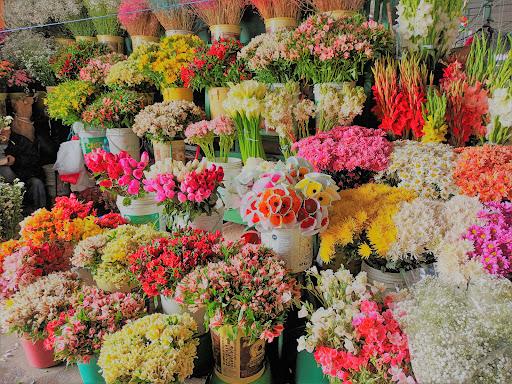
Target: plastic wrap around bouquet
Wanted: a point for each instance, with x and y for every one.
(288, 204)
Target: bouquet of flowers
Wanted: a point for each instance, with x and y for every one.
(245, 105)
(29, 262)
(119, 174)
(138, 23)
(67, 101)
(361, 222)
(126, 75)
(425, 168)
(7, 248)
(400, 95)
(485, 172)
(108, 254)
(77, 335)
(257, 292)
(97, 9)
(217, 12)
(434, 116)
(155, 349)
(289, 197)
(166, 121)
(20, 81)
(429, 26)
(6, 70)
(185, 190)
(213, 66)
(499, 130)
(163, 64)
(161, 265)
(270, 9)
(271, 58)
(452, 332)
(173, 15)
(69, 59)
(347, 44)
(11, 204)
(352, 156)
(29, 311)
(224, 127)
(116, 109)
(98, 68)
(353, 334)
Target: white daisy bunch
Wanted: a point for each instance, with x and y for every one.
(459, 334)
(425, 168)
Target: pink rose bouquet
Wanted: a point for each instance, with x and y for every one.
(351, 155)
(185, 190)
(119, 174)
(98, 68)
(257, 291)
(77, 335)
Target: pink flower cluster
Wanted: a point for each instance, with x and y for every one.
(256, 291)
(201, 129)
(384, 345)
(120, 174)
(78, 334)
(223, 125)
(493, 238)
(98, 68)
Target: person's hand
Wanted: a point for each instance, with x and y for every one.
(10, 160)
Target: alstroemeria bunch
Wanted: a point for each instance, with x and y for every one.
(119, 174)
(126, 75)
(336, 50)
(160, 266)
(290, 197)
(245, 105)
(167, 120)
(257, 291)
(352, 156)
(116, 109)
(338, 107)
(185, 190)
(485, 172)
(77, 335)
(98, 68)
(210, 67)
(29, 311)
(425, 168)
(353, 334)
(108, 254)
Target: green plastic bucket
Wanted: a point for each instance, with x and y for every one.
(308, 371)
(91, 372)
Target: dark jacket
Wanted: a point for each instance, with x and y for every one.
(26, 159)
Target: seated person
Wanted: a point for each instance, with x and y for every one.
(19, 160)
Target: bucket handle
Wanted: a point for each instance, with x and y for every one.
(110, 140)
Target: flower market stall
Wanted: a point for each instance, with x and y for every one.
(254, 192)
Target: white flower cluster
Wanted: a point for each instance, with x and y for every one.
(177, 168)
(500, 110)
(459, 335)
(11, 203)
(339, 107)
(425, 168)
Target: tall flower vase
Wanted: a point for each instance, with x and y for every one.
(162, 150)
(143, 211)
(231, 170)
(124, 139)
(216, 97)
(307, 370)
(225, 31)
(295, 249)
(277, 23)
(91, 372)
(392, 281)
(115, 43)
(178, 150)
(171, 307)
(184, 32)
(178, 93)
(237, 361)
(211, 223)
(37, 356)
(140, 39)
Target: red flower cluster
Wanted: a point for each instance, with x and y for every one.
(110, 221)
(211, 67)
(384, 344)
(160, 266)
(72, 208)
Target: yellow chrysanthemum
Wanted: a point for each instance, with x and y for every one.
(365, 250)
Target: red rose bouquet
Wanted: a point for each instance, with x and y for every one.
(160, 266)
(77, 335)
(250, 290)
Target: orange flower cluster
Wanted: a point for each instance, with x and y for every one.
(485, 172)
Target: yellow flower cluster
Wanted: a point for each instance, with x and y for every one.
(366, 210)
(164, 63)
(126, 75)
(155, 349)
(79, 229)
(433, 133)
(67, 101)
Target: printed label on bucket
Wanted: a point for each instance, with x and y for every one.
(91, 143)
(292, 247)
(145, 219)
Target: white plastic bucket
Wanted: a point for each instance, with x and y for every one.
(295, 249)
(161, 150)
(171, 307)
(231, 170)
(91, 139)
(393, 281)
(207, 223)
(178, 150)
(124, 139)
(143, 211)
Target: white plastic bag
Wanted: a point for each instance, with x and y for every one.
(69, 158)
